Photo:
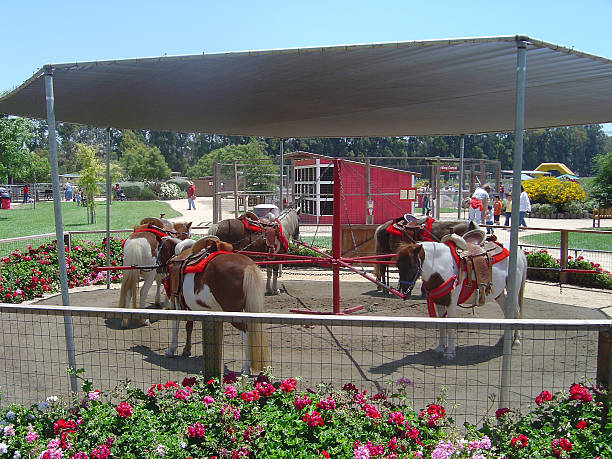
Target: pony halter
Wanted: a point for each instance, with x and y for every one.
(411, 283)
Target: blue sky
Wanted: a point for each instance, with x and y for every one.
(37, 32)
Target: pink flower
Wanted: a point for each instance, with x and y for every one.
(31, 436)
(395, 417)
(371, 411)
(544, 396)
(94, 395)
(265, 388)
(207, 400)
(230, 392)
(182, 394)
(313, 419)
(301, 402)
(100, 452)
(288, 385)
(196, 430)
(327, 404)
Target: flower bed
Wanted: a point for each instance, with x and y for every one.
(31, 273)
(542, 259)
(264, 418)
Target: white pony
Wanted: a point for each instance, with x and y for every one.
(434, 261)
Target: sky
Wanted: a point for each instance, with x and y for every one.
(35, 32)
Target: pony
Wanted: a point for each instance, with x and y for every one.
(227, 282)
(388, 243)
(437, 264)
(234, 231)
(150, 244)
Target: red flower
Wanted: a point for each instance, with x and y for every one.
(188, 382)
(196, 430)
(544, 396)
(324, 453)
(301, 402)
(395, 417)
(230, 378)
(559, 445)
(350, 387)
(327, 404)
(519, 441)
(100, 452)
(288, 385)
(170, 384)
(499, 413)
(582, 424)
(266, 389)
(62, 425)
(313, 419)
(579, 392)
(249, 396)
(124, 410)
(371, 411)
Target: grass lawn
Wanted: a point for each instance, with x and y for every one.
(584, 241)
(443, 210)
(27, 221)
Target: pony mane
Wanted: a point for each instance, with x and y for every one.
(404, 248)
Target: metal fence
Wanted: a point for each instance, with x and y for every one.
(371, 352)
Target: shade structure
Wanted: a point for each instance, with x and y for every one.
(441, 87)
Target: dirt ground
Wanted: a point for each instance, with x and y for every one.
(372, 358)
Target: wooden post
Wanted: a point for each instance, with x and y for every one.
(563, 255)
(215, 193)
(292, 169)
(212, 349)
(604, 360)
(498, 178)
(483, 173)
(472, 180)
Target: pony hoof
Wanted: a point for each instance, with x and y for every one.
(186, 353)
(448, 356)
(169, 353)
(516, 345)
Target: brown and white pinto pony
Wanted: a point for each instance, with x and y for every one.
(147, 246)
(233, 230)
(434, 262)
(387, 242)
(229, 282)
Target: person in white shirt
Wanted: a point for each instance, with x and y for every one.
(479, 203)
(525, 207)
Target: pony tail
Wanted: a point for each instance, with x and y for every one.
(379, 269)
(254, 289)
(132, 255)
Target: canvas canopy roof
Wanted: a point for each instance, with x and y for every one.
(442, 87)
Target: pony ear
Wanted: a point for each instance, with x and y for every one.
(225, 246)
(189, 225)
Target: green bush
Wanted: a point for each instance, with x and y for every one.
(573, 207)
(547, 209)
(536, 208)
(183, 184)
(147, 194)
(132, 190)
(542, 259)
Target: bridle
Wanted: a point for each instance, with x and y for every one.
(411, 283)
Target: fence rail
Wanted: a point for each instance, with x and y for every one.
(371, 352)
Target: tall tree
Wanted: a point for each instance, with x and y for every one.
(15, 133)
(140, 161)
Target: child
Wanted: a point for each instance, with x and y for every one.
(497, 208)
(489, 219)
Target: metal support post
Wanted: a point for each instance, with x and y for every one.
(461, 173)
(438, 186)
(369, 218)
(336, 238)
(236, 189)
(108, 201)
(59, 230)
(216, 187)
(512, 282)
(282, 170)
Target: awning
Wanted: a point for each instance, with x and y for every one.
(442, 87)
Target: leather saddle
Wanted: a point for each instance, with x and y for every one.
(475, 253)
(410, 227)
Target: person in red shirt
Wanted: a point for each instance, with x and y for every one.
(497, 207)
(26, 193)
(191, 195)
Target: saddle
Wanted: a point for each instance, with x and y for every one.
(476, 256)
(412, 229)
(270, 229)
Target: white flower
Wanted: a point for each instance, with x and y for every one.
(10, 415)
(42, 406)
(3, 448)
(16, 455)
(161, 450)
(52, 399)
(183, 445)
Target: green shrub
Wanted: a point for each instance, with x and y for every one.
(573, 207)
(546, 209)
(183, 184)
(601, 280)
(169, 191)
(147, 194)
(132, 190)
(536, 208)
(542, 259)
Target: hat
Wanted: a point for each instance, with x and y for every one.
(486, 186)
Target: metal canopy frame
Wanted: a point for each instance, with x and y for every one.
(437, 87)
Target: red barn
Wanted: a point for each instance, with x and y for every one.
(391, 190)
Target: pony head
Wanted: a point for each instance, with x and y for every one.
(182, 230)
(409, 262)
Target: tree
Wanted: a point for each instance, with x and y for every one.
(92, 172)
(141, 162)
(260, 174)
(15, 133)
(603, 180)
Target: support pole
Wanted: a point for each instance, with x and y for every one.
(336, 238)
(438, 186)
(369, 218)
(512, 283)
(564, 252)
(461, 171)
(216, 187)
(282, 170)
(235, 189)
(212, 349)
(59, 230)
(108, 201)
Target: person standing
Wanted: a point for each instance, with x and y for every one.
(479, 203)
(497, 208)
(68, 192)
(525, 207)
(507, 208)
(501, 191)
(426, 205)
(26, 193)
(191, 195)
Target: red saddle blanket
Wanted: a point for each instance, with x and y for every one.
(149, 230)
(426, 231)
(201, 265)
(258, 229)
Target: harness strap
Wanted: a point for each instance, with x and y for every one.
(157, 233)
(427, 231)
(282, 239)
(440, 291)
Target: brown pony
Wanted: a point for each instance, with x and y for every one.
(147, 247)
(233, 230)
(228, 282)
(387, 243)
